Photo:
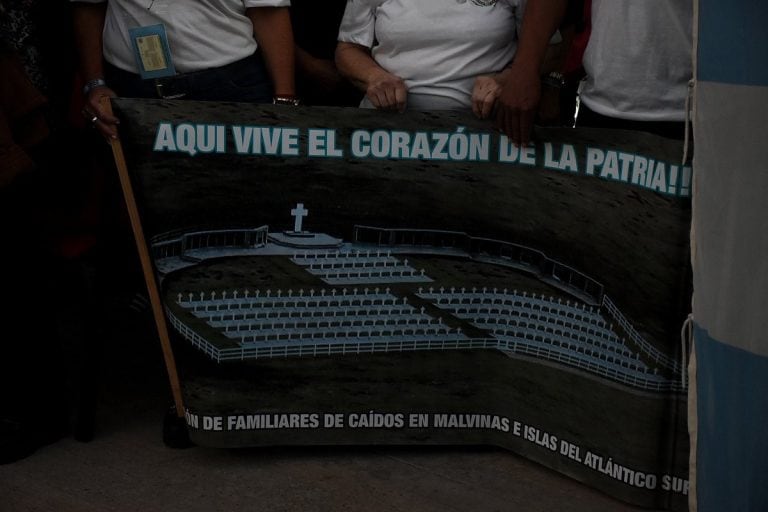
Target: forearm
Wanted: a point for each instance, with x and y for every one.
(556, 54)
(307, 65)
(384, 89)
(316, 74)
(355, 63)
(88, 20)
(520, 82)
(541, 19)
(303, 60)
(274, 35)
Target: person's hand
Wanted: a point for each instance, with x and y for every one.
(93, 112)
(520, 93)
(485, 91)
(387, 91)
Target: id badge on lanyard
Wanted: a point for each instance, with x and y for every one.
(152, 52)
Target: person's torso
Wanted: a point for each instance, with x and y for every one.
(201, 34)
(439, 47)
(638, 59)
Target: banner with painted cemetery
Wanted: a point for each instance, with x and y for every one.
(346, 276)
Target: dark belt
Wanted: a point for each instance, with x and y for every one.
(177, 86)
(168, 88)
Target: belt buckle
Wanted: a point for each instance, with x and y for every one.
(160, 88)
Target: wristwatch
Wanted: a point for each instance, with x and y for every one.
(553, 79)
(286, 100)
(93, 84)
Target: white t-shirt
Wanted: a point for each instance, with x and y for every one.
(638, 59)
(438, 47)
(201, 34)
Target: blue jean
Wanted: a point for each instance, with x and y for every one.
(245, 80)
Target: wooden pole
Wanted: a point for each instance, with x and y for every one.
(147, 267)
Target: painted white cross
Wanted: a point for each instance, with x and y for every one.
(298, 213)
